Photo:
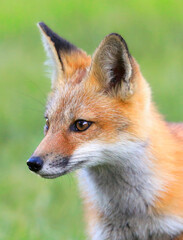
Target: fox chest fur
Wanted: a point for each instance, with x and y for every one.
(123, 209)
(123, 197)
(101, 120)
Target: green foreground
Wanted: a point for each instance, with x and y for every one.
(34, 208)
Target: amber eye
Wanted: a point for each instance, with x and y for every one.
(46, 127)
(80, 125)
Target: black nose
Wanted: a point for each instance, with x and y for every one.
(35, 164)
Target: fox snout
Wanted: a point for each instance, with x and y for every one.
(49, 165)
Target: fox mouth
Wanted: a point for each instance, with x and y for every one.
(53, 175)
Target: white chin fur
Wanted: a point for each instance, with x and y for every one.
(51, 176)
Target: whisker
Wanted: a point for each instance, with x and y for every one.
(44, 95)
(35, 110)
(71, 180)
(33, 98)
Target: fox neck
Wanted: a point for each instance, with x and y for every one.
(126, 190)
(121, 193)
(122, 189)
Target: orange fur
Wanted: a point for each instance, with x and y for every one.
(74, 61)
(91, 215)
(83, 91)
(179, 237)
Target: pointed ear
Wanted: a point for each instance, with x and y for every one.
(64, 57)
(112, 66)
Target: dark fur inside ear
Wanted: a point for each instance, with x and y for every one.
(112, 63)
(119, 69)
(117, 73)
(60, 44)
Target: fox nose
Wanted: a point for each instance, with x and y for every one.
(35, 164)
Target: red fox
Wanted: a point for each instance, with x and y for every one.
(101, 121)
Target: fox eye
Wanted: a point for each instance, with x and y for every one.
(80, 126)
(46, 127)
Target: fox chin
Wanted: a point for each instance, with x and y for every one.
(101, 120)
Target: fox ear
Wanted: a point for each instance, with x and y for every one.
(64, 57)
(112, 66)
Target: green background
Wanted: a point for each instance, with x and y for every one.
(34, 208)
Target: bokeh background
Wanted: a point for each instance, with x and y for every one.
(34, 208)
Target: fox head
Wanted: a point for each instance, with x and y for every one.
(96, 107)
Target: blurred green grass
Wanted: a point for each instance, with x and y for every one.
(34, 208)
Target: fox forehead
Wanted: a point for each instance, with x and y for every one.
(78, 100)
(65, 98)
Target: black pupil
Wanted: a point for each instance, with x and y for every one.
(82, 124)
